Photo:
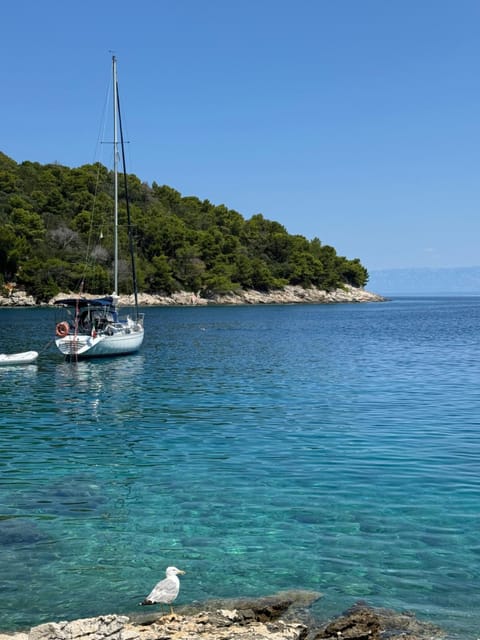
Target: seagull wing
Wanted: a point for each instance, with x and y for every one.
(165, 591)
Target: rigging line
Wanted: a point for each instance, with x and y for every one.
(90, 258)
(97, 156)
(47, 346)
(129, 219)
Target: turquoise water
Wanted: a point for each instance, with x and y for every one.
(333, 448)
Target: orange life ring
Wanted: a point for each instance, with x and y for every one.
(62, 329)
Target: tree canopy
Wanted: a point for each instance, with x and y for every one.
(56, 234)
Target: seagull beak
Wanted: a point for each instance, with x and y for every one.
(181, 572)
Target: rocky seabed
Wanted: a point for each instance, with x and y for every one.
(288, 295)
(283, 616)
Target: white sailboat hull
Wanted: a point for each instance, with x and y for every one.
(125, 340)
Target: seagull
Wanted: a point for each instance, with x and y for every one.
(165, 591)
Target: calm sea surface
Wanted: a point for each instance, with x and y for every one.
(326, 447)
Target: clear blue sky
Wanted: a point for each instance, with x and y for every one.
(355, 121)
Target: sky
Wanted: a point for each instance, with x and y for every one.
(353, 121)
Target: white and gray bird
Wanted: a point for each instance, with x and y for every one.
(165, 591)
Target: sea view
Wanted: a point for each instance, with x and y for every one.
(333, 448)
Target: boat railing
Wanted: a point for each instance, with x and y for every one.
(137, 321)
(126, 325)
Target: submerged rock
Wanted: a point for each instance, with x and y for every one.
(15, 530)
(363, 622)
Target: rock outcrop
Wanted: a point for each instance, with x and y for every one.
(298, 295)
(224, 625)
(287, 295)
(17, 298)
(283, 616)
(362, 622)
(235, 619)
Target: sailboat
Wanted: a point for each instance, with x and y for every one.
(93, 326)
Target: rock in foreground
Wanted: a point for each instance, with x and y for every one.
(242, 619)
(283, 616)
(362, 622)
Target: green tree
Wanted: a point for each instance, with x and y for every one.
(189, 268)
(160, 277)
(52, 217)
(12, 249)
(353, 272)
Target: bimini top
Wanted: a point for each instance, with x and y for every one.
(107, 301)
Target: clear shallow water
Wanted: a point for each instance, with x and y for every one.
(334, 448)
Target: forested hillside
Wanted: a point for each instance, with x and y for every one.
(52, 217)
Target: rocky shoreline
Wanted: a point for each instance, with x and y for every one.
(288, 295)
(283, 616)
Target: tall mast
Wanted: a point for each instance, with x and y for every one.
(115, 174)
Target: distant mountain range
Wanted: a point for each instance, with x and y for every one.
(417, 281)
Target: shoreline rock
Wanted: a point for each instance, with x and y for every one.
(17, 299)
(283, 616)
(287, 295)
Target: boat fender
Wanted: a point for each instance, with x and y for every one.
(62, 329)
(94, 334)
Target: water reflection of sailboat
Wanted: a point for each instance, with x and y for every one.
(89, 389)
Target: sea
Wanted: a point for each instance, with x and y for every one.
(332, 448)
